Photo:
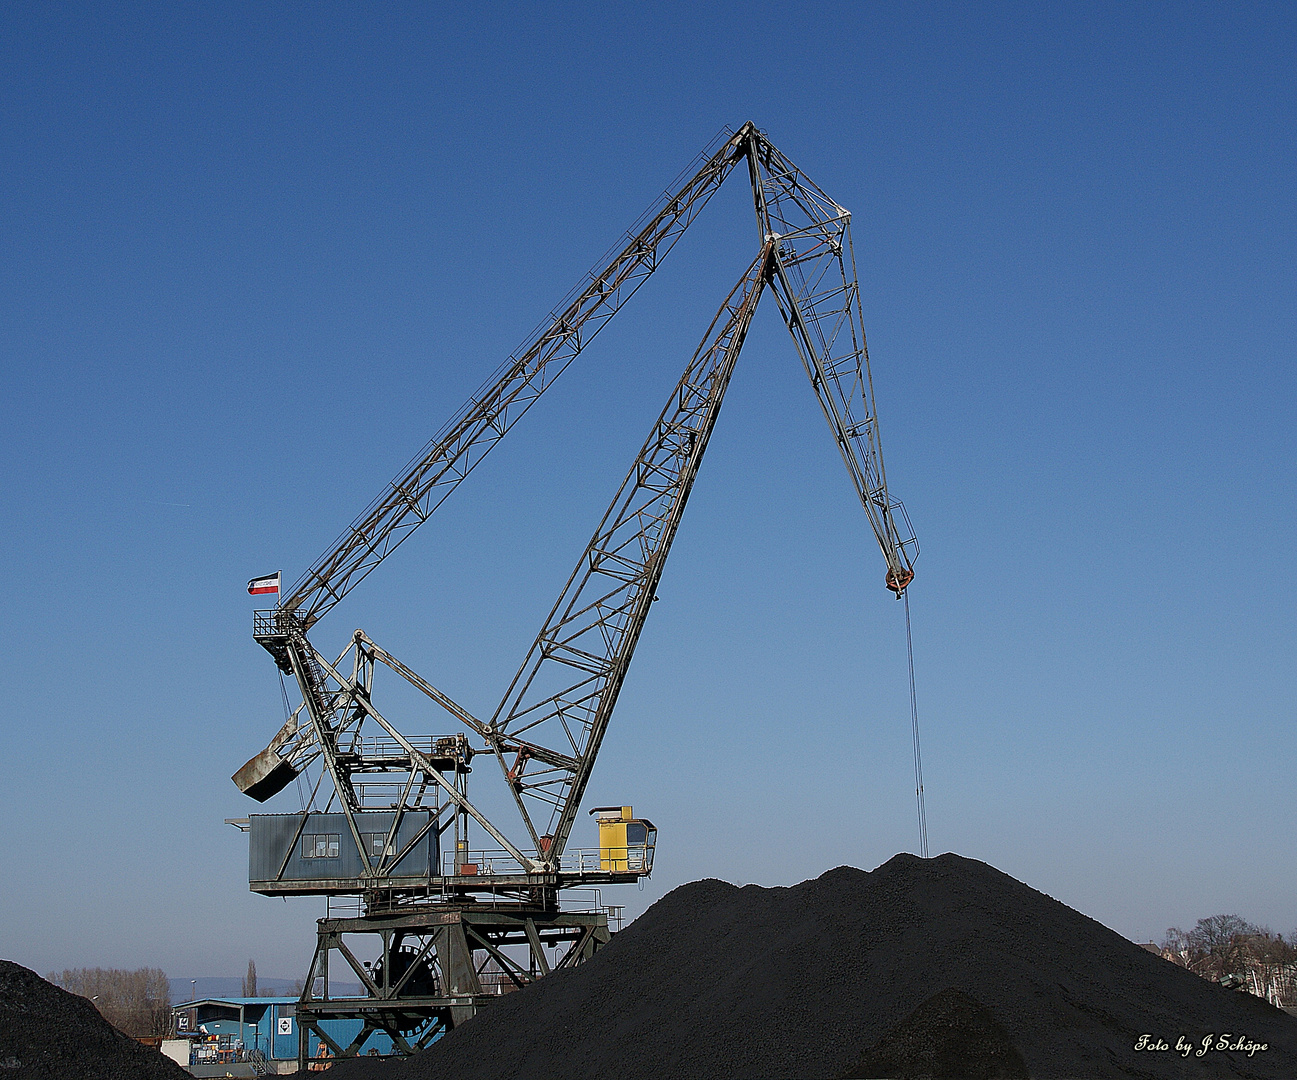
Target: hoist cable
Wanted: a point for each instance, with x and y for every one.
(914, 727)
(283, 690)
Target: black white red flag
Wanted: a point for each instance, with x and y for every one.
(270, 583)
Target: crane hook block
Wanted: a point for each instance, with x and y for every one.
(897, 582)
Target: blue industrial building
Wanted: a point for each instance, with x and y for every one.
(234, 1030)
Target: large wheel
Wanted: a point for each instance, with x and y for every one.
(422, 983)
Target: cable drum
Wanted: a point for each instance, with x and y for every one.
(423, 980)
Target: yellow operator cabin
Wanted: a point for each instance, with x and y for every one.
(625, 842)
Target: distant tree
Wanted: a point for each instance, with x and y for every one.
(298, 986)
(137, 1003)
(1221, 941)
(1229, 945)
(1176, 946)
(1219, 933)
(250, 980)
(1213, 948)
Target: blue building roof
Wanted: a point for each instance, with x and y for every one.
(273, 1030)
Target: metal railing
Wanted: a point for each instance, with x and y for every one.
(632, 859)
(343, 907)
(486, 862)
(384, 745)
(273, 622)
(591, 899)
(384, 794)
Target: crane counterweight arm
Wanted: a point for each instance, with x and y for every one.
(453, 453)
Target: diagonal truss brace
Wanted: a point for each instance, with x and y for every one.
(488, 415)
(324, 709)
(592, 631)
(818, 292)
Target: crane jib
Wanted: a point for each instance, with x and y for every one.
(547, 730)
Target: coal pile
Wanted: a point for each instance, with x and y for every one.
(939, 968)
(48, 1034)
(950, 1034)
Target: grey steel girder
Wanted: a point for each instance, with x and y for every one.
(546, 732)
(593, 629)
(497, 406)
(818, 292)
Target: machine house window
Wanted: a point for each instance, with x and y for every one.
(377, 846)
(320, 845)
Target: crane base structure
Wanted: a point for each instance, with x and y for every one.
(437, 965)
(442, 928)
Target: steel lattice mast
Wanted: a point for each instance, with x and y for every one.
(549, 725)
(547, 730)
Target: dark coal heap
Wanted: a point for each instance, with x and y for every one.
(48, 1034)
(923, 968)
(950, 1034)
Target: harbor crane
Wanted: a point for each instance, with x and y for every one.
(446, 926)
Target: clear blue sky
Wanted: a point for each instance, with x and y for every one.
(252, 255)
